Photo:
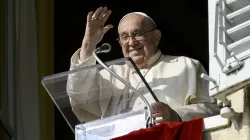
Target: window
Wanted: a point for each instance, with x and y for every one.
(229, 40)
(184, 32)
(229, 45)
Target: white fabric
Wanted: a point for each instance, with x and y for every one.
(142, 14)
(175, 81)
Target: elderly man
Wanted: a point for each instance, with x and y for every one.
(175, 80)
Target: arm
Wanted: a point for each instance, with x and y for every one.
(199, 110)
(82, 98)
(83, 87)
(198, 103)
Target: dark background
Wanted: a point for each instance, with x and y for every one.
(184, 26)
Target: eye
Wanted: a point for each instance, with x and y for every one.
(125, 37)
(138, 34)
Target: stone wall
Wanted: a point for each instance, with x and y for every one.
(240, 127)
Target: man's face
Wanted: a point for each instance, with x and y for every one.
(137, 39)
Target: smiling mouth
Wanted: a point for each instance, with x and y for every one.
(136, 49)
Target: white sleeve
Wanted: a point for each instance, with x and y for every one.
(199, 110)
(75, 61)
(83, 89)
(198, 103)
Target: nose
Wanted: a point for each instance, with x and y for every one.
(132, 41)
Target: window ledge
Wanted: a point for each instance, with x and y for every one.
(215, 122)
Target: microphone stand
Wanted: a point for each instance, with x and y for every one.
(102, 49)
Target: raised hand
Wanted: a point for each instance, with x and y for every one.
(95, 30)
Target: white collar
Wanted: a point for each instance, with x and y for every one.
(154, 58)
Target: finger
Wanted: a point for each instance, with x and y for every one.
(106, 28)
(157, 110)
(157, 115)
(89, 16)
(97, 13)
(157, 105)
(102, 13)
(106, 16)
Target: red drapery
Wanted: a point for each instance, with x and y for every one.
(186, 130)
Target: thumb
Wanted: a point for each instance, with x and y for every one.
(106, 28)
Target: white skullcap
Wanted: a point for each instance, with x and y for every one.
(142, 14)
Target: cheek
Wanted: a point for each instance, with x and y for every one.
(148, 48)
(125, 50)
(150, 41)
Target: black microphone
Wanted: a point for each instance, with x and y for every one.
(105, 48)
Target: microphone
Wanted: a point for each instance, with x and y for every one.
(105, 48)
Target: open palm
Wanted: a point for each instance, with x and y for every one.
(95, 27)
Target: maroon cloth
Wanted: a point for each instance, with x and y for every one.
(186, 130)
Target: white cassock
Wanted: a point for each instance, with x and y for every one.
(175, 80)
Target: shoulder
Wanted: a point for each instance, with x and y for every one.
(171, 58)
(183, 60)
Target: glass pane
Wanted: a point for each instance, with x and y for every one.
(92, 96)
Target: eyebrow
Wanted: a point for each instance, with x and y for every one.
(136, 30)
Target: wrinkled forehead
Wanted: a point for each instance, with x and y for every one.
(132, 22)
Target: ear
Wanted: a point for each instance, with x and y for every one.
(157, 37)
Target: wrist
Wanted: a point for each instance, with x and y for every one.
(88, 44)
(86, 49)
